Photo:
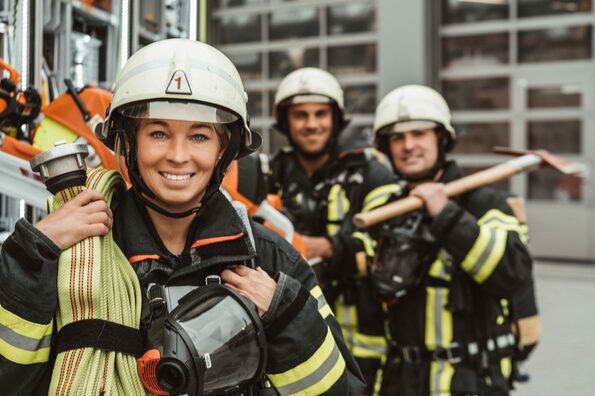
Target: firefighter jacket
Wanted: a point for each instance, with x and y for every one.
(451, 334)
(323, 205)
(306, 353)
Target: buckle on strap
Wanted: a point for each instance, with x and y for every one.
(411, 354)
(452, 354)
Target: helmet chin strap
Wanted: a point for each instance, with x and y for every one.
(162, 211)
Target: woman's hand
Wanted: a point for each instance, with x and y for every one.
(256, 285)
(85, 215)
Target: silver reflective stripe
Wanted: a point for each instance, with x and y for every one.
(313, 378)
(438, 317)
(436, 383)
(347, 326)
(501, 220)
(24, 342)
(321, 301)
(380, 349)
(194, 63)
(485, 254)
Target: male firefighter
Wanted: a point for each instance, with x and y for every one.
(449, 272)
(321, 189)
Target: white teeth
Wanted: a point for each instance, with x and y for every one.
(175, 177)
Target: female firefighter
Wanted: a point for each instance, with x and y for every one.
(178, 118)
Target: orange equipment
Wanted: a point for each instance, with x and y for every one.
(245, 181)
(72, 116)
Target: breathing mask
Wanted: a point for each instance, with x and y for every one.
(405, 252)
(212, 342)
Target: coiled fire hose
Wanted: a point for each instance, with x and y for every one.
(95, 281)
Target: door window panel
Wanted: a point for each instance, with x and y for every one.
(352, 18)
(529, 8)
(567, 95)
(360, 99)
(461, 11)
(282, 63)
(352, 59)
(480, 138)
(550, 185)
(235, 29)
(255, 104)
(562, 137)
(557, 44)
(477, 94)
(249, 65)
(479, 50)
(293, 23)
(234, 3)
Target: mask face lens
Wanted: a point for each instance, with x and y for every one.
(225, 337)
(172, 376)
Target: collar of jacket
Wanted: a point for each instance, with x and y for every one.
(337, 163)
(216, 236)
(451, 172)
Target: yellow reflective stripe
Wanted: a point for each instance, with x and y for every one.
(481, 271)
(360, 345)
(497, 219)
(23, 342)
(524, 233)
(338, 206)
(369, 243)
(379, 196)
(346, 317)
(441, 373)
(367, 346)
(438, 269)
(323, 307)
(314, 376)
(506, 367)
(439, 326)
(486, 253)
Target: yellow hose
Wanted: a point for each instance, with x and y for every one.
(95, 281)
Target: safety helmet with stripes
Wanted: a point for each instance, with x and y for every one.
(308, 85)
(182, 71)
(413, 107)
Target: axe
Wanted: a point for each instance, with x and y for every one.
(525, 161)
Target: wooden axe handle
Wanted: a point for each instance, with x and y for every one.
(454, 188)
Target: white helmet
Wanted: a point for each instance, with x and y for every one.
(182, 71)
(308, 85)
(412, 107)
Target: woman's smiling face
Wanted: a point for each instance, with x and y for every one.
(176, 160)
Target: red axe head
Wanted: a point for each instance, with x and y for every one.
(547, 159)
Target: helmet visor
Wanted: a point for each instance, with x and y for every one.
(180, 111)
(405, 126)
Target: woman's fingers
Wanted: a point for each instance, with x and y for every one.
(86, 215)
